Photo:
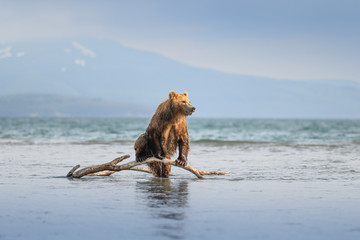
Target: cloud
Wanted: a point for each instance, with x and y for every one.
(80, 62)
(6, 52)
(84, 50)
(20, 54)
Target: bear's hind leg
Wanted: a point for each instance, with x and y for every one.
(159, 169)
(142, 148)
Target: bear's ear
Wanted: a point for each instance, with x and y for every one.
(172, 94)
(185, 94)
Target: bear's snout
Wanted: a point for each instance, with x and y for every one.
(190, 109)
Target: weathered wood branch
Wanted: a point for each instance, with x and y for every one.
(171, 162)
(213, 172)
(98, 168)
(108, 173)
(71, 172)
(111, 168)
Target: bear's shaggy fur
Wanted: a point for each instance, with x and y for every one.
(167, 131)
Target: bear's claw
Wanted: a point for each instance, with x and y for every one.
(180, 162)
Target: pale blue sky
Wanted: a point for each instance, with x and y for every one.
(308, 39)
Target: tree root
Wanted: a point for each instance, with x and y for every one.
(112, 167)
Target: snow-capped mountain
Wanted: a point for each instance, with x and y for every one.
(89, 68)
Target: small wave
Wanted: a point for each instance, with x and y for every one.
(211, 142)
(227, 142)
(45, 142)
(217, 142)
(6, 137)
(91, 142)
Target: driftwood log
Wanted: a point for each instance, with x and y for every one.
(112, 167)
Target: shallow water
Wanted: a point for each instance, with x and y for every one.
(277, 190)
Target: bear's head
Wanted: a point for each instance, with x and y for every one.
(181, 103)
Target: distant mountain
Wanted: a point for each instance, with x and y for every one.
(104, 69)
(42, 105)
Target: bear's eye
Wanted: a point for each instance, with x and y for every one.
(183, 101)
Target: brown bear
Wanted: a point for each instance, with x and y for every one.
(167, 131)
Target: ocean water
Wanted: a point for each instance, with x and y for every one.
(291, 179)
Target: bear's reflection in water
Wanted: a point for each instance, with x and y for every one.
(166, 201)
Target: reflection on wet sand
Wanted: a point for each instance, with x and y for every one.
(166, 202)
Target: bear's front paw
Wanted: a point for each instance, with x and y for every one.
(180, 162)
